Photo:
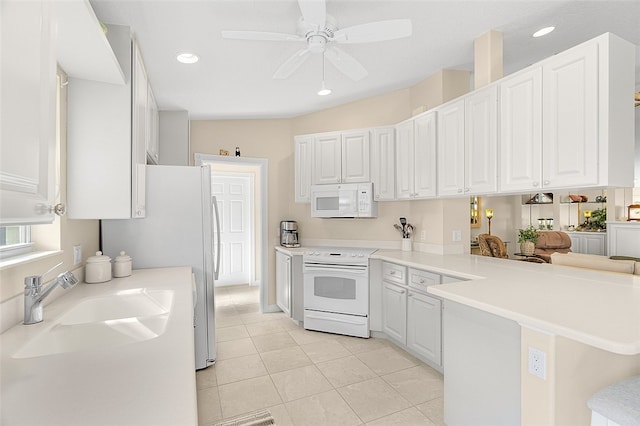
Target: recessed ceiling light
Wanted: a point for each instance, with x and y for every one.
(187, 58)
(543, 31)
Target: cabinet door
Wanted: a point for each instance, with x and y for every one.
(424, 161)
(139, 134)
(404, 160)
(152, 127)
(327, 158)
(451, 149)
(570, 117)
(424, 326)
(383, 163)
(283, 282)
(594, 244)
(302, 178)
(576, 243)
(481, 141)
(28, 73)
(355, 157)
(394, 311)
(521, 131)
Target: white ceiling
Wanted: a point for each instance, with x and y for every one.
(233, 78)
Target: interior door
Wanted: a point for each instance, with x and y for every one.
(233, 192)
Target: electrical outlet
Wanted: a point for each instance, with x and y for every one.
(538, 363)
(457, 235)
(423, 235)
(77, 255)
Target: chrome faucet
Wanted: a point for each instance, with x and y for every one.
(34, 294)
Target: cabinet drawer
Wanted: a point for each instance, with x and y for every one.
(394, 273)
(422, 279)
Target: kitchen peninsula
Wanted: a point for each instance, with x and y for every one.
(586, 323)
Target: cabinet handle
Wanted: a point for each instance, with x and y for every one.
(59, 209)
(546, 182)
(459, 190)
(401, 291)
(409, 294)
(536, 183)
(466, 190)
(392, 272)
(421, 281)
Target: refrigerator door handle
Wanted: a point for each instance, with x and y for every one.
(216, 270)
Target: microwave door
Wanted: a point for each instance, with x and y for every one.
(326, 203)
(348, 203)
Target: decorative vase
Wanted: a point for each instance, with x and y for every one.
(527, 247)
(406, 244)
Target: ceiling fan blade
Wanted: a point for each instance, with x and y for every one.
(345, 63)
(375, 31)
(314, 12)
(292, 64)
(260, 35)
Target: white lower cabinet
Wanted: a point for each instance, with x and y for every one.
(589, 242)
(412, 319)
(283, 282)
(394, 311)
(424, 326)
(289, 283)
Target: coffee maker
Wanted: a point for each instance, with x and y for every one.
(289, 233)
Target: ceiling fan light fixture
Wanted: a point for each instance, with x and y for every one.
(543, 31)
(187, 58)
(324, 91)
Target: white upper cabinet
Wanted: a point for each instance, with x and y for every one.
(28, 74)
(481, 141)
(521, 131)
(303, 156)
(327, 158)
(468, 143)
(341, 157)
(451, 149)
(416, 157)
(568, 121)
(106, 139)
(355, 156)
(383, 163)
(570, 118)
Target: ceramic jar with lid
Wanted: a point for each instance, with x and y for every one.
(98, 269)
(122, 265)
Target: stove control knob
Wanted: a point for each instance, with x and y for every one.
(353, 255)
(361, 255)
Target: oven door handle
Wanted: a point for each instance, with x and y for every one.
(311, 316)
(351, 269)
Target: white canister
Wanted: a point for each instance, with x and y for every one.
(122, 265)
(98, 269)
(406, 244)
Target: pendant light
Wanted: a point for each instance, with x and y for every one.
(323, 90)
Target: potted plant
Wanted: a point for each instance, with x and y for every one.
(527, 238)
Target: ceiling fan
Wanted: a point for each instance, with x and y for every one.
(321, 33)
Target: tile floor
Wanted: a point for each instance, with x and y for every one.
(310, 378)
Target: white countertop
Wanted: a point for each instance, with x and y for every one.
(292, 251)
(145, 383)
(596, 308)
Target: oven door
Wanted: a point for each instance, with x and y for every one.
(336, 288)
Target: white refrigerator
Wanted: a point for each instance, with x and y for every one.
(178, 230)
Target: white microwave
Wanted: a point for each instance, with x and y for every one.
(343, 200)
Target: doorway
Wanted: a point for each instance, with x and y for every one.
(256, 169)
(234, 194)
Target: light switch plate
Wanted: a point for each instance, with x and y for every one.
(457, 235)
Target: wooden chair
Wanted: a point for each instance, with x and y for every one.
(492, 246)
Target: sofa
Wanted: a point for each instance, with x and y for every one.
(625, 265)
(550, 242)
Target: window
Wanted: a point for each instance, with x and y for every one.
(15, 240)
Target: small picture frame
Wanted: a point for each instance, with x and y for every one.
(633, 212)
(224, 152)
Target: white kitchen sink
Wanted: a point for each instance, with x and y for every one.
(125, 304)
(102, 322)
